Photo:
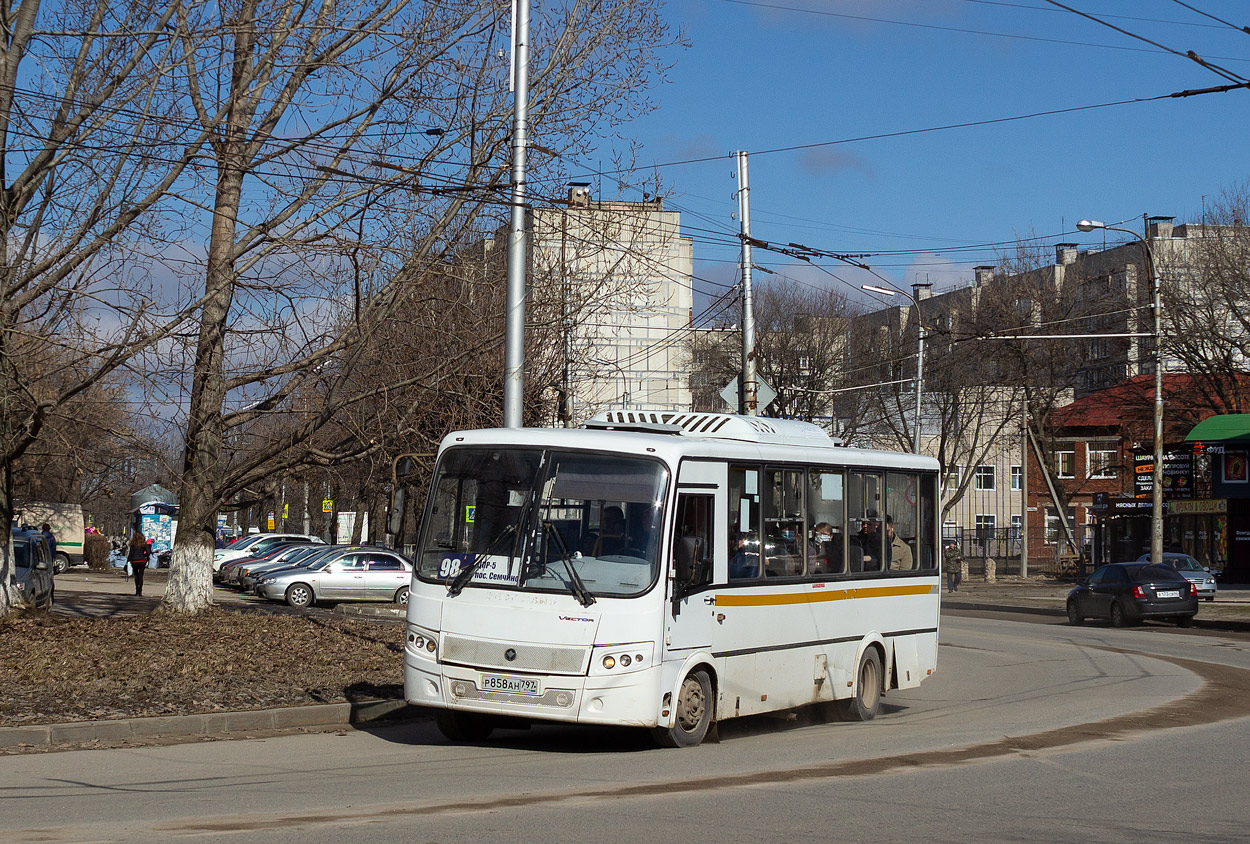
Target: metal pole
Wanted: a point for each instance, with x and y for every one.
(915, 444)
(749, 403)
(514, 344)
(1156, 503)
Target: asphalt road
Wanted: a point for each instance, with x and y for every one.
(1028, 732)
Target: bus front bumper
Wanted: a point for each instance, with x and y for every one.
(627, 699)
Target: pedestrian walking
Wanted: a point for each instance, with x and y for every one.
(954, 567)
(137, 555)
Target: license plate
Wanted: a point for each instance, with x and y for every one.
(512, 685)
(1168, 593)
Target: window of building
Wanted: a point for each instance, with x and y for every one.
(1102, 459)
(1054, 530)
(985, 478)
(1017, 525)
(1065, 463)
(1017, 478)
(951, 480)
(986, 523)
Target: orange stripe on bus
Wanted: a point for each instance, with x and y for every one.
(814, 597)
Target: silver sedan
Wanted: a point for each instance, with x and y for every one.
(1192, 570)
(356, 575)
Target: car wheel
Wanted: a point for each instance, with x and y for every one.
(401, 597)
(60, 563)
(863, 705)
(1184, 621)
(463, 726)
(693, 713)
(1118, 617)
(1074, 616)
(300, 595)
(1211, 598)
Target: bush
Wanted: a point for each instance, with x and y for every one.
(95, 550)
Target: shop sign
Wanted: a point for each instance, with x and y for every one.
(1178, 474)
(1196, 506)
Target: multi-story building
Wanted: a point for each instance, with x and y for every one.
(619, 274)
(1099, 299)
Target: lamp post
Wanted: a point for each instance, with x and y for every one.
(1156, 509)
(915, 298)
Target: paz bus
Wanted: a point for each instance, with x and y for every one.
(669, 571)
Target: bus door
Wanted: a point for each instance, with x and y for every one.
(696, 552)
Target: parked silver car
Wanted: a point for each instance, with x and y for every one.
(1192, 570)
(354, 575)
(258, 543)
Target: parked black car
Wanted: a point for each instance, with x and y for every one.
(1126, 593)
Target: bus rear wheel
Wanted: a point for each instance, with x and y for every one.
(463, 726)
(693, 713)
(864, 703)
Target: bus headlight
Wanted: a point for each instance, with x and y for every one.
(423, 642)
(620, 659)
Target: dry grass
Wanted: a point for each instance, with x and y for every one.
(56, 669)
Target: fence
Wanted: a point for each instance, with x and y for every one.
(1004, 546)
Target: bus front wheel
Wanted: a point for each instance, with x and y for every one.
(863, 704)
(693, 713)
(463, 726)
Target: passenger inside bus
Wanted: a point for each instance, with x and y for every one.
(868, 541)
(744, 559)
(824, 550)
(897, 552)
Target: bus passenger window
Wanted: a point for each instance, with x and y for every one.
(826, 549)
(783, 523)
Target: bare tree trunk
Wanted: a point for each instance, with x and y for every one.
(190, 587)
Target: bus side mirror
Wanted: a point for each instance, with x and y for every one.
(395, 519)
(684, 559)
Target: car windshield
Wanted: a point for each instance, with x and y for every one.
(1184, 563)
(547, 520)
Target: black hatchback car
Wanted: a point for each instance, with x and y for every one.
(1128, 592)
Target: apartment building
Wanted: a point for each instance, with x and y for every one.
(620, 273)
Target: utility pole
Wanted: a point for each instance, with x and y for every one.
(514, 332)
(748, 403)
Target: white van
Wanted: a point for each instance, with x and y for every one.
(67, 525)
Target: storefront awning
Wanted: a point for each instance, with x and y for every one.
(1229, 426)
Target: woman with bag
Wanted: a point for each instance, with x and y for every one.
(137, 554)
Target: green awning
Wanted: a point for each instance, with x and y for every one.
(1230, 426)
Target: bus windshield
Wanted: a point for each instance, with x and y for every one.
(544, 520)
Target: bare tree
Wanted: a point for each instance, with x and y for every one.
(327, 107)
(1206, 301)
(91, 145)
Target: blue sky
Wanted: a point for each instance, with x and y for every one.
(763, 76)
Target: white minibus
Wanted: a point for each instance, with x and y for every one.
(669, 571)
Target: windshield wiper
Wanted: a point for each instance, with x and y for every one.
(456, 585)
(576, 586)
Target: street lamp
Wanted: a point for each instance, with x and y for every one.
(915, 298)
(1156, 509)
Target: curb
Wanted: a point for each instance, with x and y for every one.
(1227, 625)
(50, 736)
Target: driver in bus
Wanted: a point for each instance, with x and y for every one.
(612, 538)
